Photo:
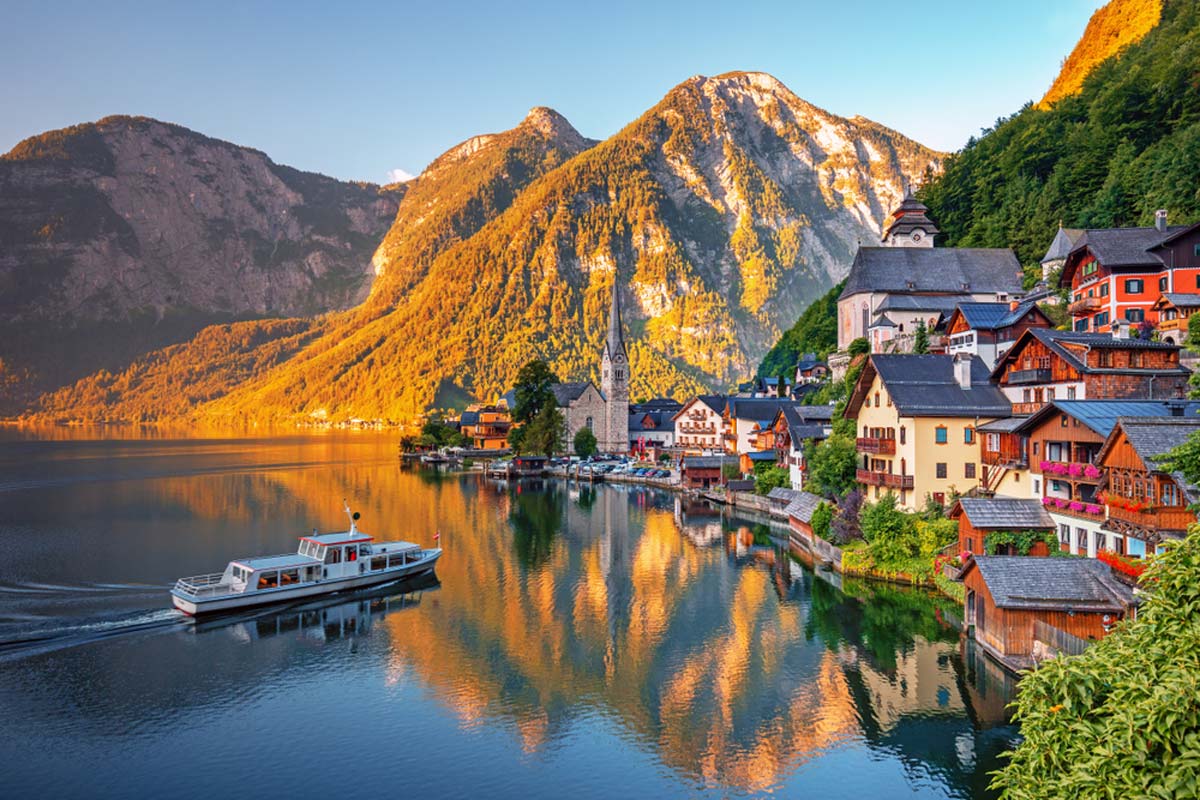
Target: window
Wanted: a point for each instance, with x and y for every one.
(993, 442)
(1196, 252)
(1037, 486)
(268, 580)
(1135, 314)
(1081, 541)
(289, 576)
(1101, 541)
(1162, 284)
(941, 434)
(970, 471)
(1104, 357)
(1035, 448)
(1101, 319)
(1064, 534)
(1134, 286)
(1104, 290)
(941, 470)
(877, 399)
(352, 553)
(902, 432)
(333, 555)
(1090, 268)
(588, 423)
(1070, 392)
(1081, 325)
(1170, 494)
(1198, 276)
(379, 562)
(1135, 359)
(968, 436)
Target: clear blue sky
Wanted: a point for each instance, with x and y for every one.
(356, 90)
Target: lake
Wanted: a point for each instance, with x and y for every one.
(583, 642)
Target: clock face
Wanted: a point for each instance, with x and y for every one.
(619, 359)
(917, 235)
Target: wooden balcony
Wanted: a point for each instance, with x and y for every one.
(1021, 376)
(870, 478)
(876, 446)
(1085, 305)
(1154, 518)
(1025, 409)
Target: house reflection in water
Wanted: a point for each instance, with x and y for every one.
(734, 663)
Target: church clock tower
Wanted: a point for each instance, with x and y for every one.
(614, 382)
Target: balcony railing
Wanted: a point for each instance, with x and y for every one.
(876, 445)
(706, 430)
(1018, 376)
(1151, 518)
(892, 481)
(1085, 305)
(1025, 409)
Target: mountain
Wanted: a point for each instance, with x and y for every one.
(719, 214)
(141, 232)
(1111, 29)
(1126, 144)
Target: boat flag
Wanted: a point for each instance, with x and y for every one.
(437, 536)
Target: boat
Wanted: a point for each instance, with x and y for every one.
(323, 564)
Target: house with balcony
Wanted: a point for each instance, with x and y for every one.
(979, 517)
(1173, 310)
(1147, 505)
(699, 425)
(1063, 440)
(1047, 365)
(792, 427)
(745, 417)
(1004, 458)
(1118, 274)
(485, 427)
(651, 426)
(988, 330)
(810, 369)
(916, 417)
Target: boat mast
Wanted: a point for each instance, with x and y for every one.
(353, 517)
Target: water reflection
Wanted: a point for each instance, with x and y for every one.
(666, 629)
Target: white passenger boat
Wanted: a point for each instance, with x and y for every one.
(324, 563)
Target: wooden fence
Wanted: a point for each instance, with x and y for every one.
(1058, 639)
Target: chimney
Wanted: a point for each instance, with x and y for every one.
(1120, 329)
(962, 370)
(1160, 220)
(1012, 304)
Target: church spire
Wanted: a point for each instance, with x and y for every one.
(616, 340)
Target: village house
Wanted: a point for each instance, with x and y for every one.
(810, 369)
(1060, 247)
(1117, 274)
(1146, 504)
(651, 424)
(980, 516)
(908, 280)
(799, 513)
(743, 419)
(795, 424)
(485, 427)
(703, 472)
(1011, 601)
(1004, 457)
(1173, 310)
(1047, 365)
(916, 417)
(988, 330)
(699, 425)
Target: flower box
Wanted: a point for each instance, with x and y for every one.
(1075, 505)
(1122, 565)
(1092, 508)
(1047, 501)
(1091, 471)
(1060, 502)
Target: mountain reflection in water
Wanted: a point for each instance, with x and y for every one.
(600, 640)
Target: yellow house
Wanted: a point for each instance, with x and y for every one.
(916, 417)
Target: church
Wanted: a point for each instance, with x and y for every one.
(604, 411)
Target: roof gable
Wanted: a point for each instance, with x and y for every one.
(933, 270)
(1029, 582)
(925, 386)
(1004, 513)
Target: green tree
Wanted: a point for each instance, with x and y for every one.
(921, 338)
(1192, 343)
(814, 332)
(859, 347)
(770, 476)
(516, 439)
(547, 432)
(832, 466)
(1120, 720)
(781, 387)
(822, 516)
(533, 390)
(585, 443)
(888, 530)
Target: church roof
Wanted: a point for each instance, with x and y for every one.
(566, 393)
(1063, 243)
(933, 270)
(910, 215)
(615, 341)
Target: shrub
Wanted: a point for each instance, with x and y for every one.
(822, 516)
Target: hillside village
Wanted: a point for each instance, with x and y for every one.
(962, 402)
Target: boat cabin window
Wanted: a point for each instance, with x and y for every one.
(311, 573)
(379, 562)
(268, 580)
(289, 576)
(240, 574)
(333, 555)
(364, 550)
(396, 560)
(352, 553)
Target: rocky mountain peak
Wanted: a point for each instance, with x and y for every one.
(552, 125)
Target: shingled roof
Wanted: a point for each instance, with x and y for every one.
(1005, 513)
(1101, 415)
(802, 506)
(1064, 241)
(1056, 341)
(1154, 437)
(1120, 247)
(925, 386)
(1058, 584)
(993, 316)
(564, 393)
(936, 270)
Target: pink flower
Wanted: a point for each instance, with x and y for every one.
(1047, 501)
(1075, 505)
(1091, 471)
(1094, 509)
(1075, 470)
(1060, 502)
(1044, 465)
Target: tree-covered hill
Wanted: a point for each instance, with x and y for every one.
(1127, 144)
(814, 332)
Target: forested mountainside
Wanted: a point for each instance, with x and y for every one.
(815, 332)
(1112, 28)
(1126, 144)
(119, 236)
(719, 215)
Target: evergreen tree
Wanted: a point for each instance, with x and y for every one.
(585, 443)
(921, 338)
(533, 390)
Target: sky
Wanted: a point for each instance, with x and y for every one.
(368, 91)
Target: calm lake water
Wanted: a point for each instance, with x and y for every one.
(587, 643)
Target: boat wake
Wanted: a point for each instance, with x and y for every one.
(24, 635)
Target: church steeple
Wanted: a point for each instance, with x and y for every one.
(615, 343)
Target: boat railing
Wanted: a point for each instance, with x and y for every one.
(204, 585)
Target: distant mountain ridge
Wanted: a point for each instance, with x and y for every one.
(719, 214)
(136, 233)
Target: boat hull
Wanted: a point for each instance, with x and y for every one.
(195, 607)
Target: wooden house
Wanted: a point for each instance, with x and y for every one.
(1173, 310)
(703, 472)
(1118, 274)
(486, 427)
(1047, 365)
(987, 330)
(1146, 504)
(1008, 596)
(794, 425)
(980, 516)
